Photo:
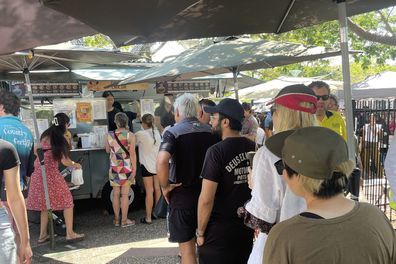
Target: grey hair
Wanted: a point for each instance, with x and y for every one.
(121, 120)
(187, 105)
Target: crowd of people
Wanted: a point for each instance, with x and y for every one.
(286, 205)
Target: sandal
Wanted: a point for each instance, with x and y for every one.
(128, 222)
(42, 240)
(143, 220)
(116, 222)
(76, 238)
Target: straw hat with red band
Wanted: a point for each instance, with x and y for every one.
(294, 95)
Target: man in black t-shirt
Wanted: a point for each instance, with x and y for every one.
(111, 110)
(9, 170)
(179, 165)
(164, 114)
(222, 237)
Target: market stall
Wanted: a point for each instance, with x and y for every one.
(88, 125)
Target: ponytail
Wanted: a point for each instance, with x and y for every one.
(148, 119)
(155, 141)
(59, 146)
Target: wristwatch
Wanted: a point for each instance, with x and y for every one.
(198, 234)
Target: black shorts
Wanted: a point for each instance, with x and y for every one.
(226, 243)
(145, 172)
(182, 225)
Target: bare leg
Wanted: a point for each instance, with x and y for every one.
(43, 224)
(187, 251)
(124, 203)
(157, 190)
(148, 186)
(70, 234)
(116, 202)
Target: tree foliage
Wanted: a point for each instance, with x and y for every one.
(372, 33)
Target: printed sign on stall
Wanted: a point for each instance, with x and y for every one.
(84, 112)
(147, 106)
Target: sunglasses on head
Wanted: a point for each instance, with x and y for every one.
(279, 166)
(323, 97)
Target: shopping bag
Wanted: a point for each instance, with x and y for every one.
(77, 177)
(161, 208)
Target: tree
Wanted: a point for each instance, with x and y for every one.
(373, 33)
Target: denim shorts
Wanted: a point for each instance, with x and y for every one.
(8, 249)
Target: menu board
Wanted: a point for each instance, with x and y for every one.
(147, 106)
(55, 88)
(99, 110)
(185, 86)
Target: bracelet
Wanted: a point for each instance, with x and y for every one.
(198, 234)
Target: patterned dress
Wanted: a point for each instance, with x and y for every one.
(59, 194)
(120, 162)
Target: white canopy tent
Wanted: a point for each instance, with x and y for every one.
(382, 85)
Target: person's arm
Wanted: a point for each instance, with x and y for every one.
(132, 153)
(66, 161)
(205, 206)
(167, 149)
(17, 205)
(30, 166)
(163, 174)
(107, 144)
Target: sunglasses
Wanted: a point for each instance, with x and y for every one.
(279, 167)
(323, 97)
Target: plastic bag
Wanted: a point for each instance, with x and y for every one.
(77, 177)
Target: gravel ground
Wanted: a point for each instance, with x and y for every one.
(105, 243)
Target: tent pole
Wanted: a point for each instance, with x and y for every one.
(235, 75)
(40, 155)
(346, 75)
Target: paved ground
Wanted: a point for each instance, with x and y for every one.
(105, 243)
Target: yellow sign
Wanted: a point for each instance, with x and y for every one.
(84, 112)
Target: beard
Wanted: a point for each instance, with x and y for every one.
(217, 131)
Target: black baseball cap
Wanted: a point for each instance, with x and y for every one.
(228, 107)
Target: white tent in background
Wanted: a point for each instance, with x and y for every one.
(271, 88)
(381, 85)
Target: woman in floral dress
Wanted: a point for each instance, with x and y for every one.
(121, 146)
(56, 150)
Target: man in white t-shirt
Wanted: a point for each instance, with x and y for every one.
(372, 133)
